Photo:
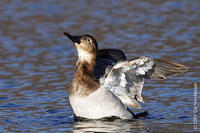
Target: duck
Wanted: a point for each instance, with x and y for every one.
(107, 84)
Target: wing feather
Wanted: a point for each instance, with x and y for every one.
(126, 78)
(126, 82)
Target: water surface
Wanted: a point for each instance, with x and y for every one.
(37, 62)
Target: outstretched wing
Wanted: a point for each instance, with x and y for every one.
(126, 79)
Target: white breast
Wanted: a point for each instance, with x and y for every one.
(99, 104)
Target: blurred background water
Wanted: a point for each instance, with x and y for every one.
(37, 62)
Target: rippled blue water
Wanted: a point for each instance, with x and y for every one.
(37, 62)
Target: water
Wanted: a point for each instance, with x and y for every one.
(37, 62)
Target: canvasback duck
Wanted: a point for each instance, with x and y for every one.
(106, 84)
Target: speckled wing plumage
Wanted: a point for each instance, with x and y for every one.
(125, 80)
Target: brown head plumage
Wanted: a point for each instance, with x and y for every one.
(86, 47)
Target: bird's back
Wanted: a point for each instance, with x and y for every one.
(105, 58)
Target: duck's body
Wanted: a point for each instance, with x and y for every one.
(99, 104)
(106, 84)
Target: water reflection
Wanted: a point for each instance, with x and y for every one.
(110, 126)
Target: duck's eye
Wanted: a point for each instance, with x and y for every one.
(89, 40)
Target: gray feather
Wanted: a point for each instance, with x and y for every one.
(126, 82)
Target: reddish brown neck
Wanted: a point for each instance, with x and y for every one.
(84, 82)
